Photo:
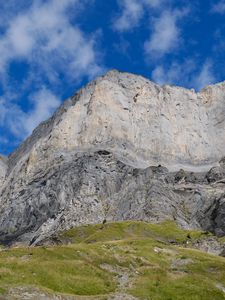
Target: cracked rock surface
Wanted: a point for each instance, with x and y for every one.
(3, 168)
(121, 148)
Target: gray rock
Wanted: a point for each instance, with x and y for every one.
(3, 169)
(209, 244)
(121, 148)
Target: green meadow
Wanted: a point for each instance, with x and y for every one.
(145, 261)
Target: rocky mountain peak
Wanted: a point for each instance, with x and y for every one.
(141, 122)
(114, 151)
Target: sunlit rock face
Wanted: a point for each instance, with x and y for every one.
(75, 168)
(3, 169)
(141, 122)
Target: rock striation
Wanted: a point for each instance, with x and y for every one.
(121, 148)
(3, 169)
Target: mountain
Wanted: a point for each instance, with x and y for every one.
(121, 148)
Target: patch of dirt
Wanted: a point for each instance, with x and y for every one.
(179, 264)
(123, 277)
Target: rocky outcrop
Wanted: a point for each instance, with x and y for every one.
(3, 169)
(101, 154)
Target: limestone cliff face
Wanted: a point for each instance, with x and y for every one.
(141, 122)
(91, 160)
(3, 169)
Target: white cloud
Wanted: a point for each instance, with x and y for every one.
(9, 9)
(132, 12)
(165, 31)
(166, 34)
(205, 76)
(21, 123)
(2, 111)
(185, 74)
(44, 36)
(174, 73)
(154, 3)
(11, 118)
(219, 7)
(44, 103)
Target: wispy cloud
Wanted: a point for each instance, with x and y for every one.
(219, 7)
(186, 74)
(131, 13)
(173, 73)
(164, 24)
(44, 102)
(166, 35)
(205, 76)
(20, 123)
(46, 37)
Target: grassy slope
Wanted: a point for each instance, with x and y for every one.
(98, 255)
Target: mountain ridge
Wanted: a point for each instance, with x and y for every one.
(67, 103)
(114, 151)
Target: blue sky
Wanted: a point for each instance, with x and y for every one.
(48, 49)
